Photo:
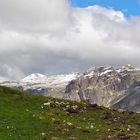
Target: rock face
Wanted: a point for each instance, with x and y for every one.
(104, 86)
(131, 101)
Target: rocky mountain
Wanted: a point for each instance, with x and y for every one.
(106, 86)
(131, 101)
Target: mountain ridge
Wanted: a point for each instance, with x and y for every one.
(106, 86)
(103, 85)
(39, 84)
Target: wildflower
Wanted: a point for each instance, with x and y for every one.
(43, 134)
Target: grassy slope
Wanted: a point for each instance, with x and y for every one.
(22, 118)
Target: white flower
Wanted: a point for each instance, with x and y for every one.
(69, 123)
(43, 134)
(57, 103)
(109, 136)
(91, 126)
(67, 106)
(84, 119)
(40, 118)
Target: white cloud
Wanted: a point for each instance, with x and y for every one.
(53, 37)
(35, 15)
(10, 72)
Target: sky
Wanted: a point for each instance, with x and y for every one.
(63, 36)
(129, 7)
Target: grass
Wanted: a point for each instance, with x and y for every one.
(24, 117)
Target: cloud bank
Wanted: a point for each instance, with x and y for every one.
(53, 37)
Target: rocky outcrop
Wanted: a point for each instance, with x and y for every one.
(103, 85)
(131, 101)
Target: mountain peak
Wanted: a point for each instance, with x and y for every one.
(34, 77)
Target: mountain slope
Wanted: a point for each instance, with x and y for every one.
(50, 80)
(27, 117)
(46, 85)
(103, 85)
(60, 80)
(130, 102)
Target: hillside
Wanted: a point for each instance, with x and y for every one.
(27, 117)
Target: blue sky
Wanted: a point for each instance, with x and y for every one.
(128, 7)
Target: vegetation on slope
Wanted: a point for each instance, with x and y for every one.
(27, 117)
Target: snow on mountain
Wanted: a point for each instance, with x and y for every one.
(106, 70)
(48, 80)
(60, 80)
(102, 85)
(35, 78)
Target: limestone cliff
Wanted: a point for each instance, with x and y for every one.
(103, 85)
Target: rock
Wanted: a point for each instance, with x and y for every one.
(46, 104)
(106, 86)
(134, 138)
(86, 130)
(123, 137)
(93, 105)
(110, 118)
(69, 123)
(72, 109)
